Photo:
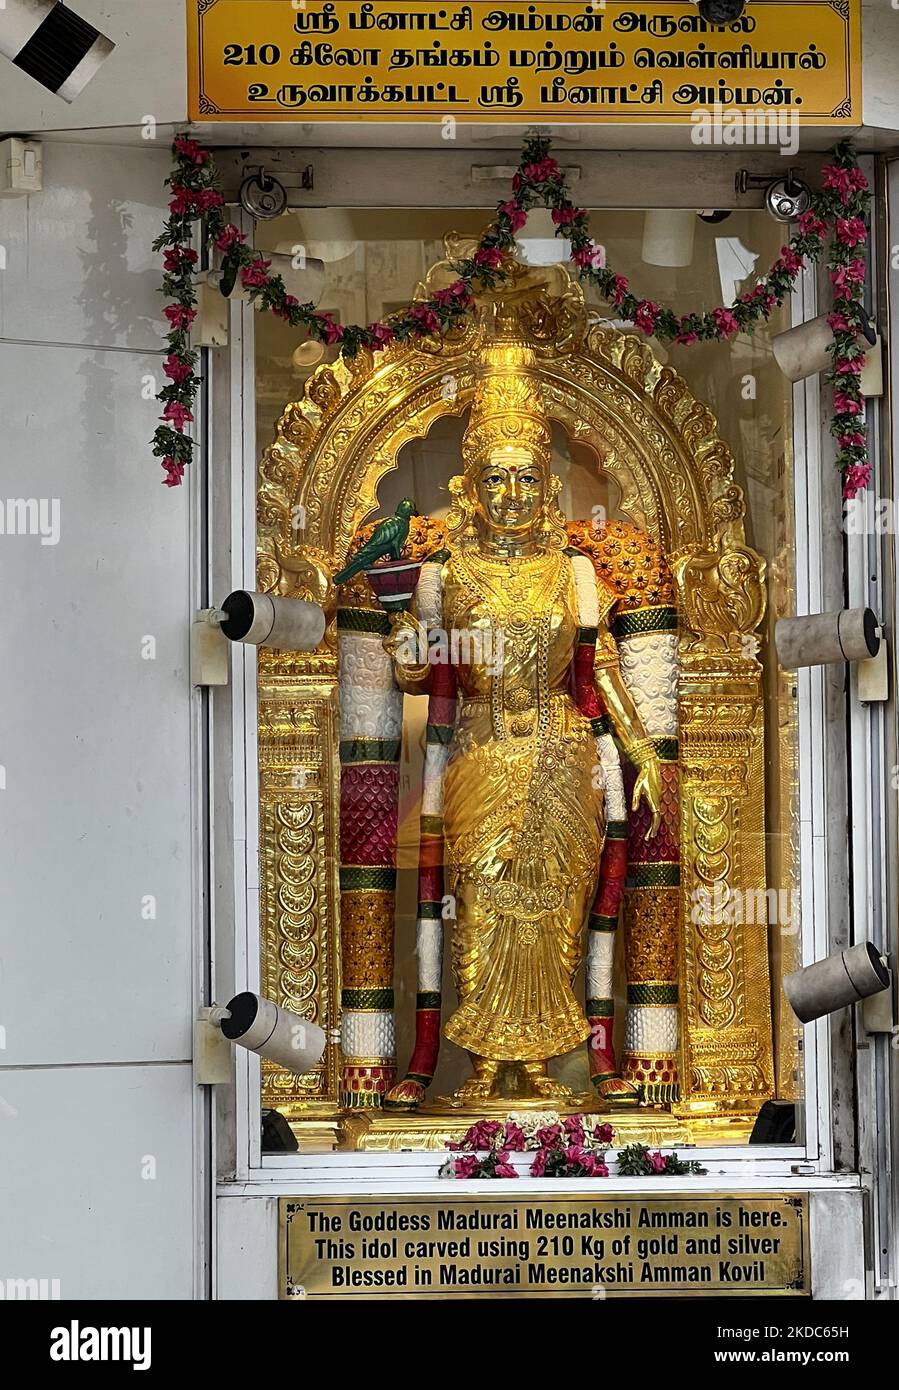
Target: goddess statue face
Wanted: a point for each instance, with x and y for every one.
(510, 491)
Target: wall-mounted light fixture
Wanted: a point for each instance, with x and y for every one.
(52, 44)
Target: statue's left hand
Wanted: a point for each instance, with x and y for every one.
(649, 784)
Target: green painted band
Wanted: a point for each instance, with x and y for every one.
(600, 1008)
(370, 750)
(665, 875)
(640, 622)
(366, 878)
(616, 830)
(430, 1000)
(367, 1001)
(363, 620)
(651, 995)
(441, 734)
(597, 922)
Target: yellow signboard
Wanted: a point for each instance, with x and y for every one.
(556, 61)
(543, 1247)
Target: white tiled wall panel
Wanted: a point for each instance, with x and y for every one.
(97, 1180)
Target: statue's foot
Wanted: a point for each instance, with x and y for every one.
(405, 1095)
(551, 1089)
(545, 1085)
(618, 1093)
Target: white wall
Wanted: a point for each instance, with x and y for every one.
(145, 76)
(97, 1103)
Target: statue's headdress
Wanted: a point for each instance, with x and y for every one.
(508, 410)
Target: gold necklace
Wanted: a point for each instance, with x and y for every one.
(509, 587)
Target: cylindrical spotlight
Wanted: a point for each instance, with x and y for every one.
(836, 982)
(668, 236)
(820, 639)
(281, 1037)
(55, 46)
(266, 620)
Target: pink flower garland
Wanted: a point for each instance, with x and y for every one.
(839, 209)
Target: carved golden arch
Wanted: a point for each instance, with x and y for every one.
(318, 482)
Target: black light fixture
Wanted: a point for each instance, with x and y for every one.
(721, 11)
(53, 44)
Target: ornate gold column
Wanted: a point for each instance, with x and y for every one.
(725, 993)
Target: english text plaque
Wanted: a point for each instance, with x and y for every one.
(561, 1245)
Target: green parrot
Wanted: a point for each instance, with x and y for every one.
(388, 538)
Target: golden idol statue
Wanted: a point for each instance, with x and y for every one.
(595, 735)
(526, 786)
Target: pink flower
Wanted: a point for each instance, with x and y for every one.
(208, 198)
(600, 1170)
(289, 302)
(178, 316)
(789, 260)
(516, 215)
(852, 439)
(175, 256)
(504, 1169)
(725, 322)
(457, 292)
(846, 277)
(646, 315)
(181, 201)
(856, 479)
(176, 369)
(513, 1137)
(466, 1167)
(190, 150)
(846, 405)
(592, 255)
(174, 472)
(851, 231)
(832, 176)
(810, 224)
(687, 336)
(331, 332)
(229, 237)
(573, 1126)
(839, 323)
(545, 170)
(549, 1136)
(255, 276)
(176, 415)
(853, 365)
(490, 256)
(538, 1167)
(479, 1135)
(604, 1134)
(563, 217)
(381, 335)
(428, 321)
(620, 288)
(658, 1162)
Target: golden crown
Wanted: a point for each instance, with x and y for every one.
(508, 411)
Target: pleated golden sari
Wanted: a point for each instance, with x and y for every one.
(523, 822)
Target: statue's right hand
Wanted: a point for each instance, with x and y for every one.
(407, 640)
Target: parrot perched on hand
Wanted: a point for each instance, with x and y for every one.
(388, 538)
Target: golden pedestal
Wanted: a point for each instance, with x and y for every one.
(436, 1126)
